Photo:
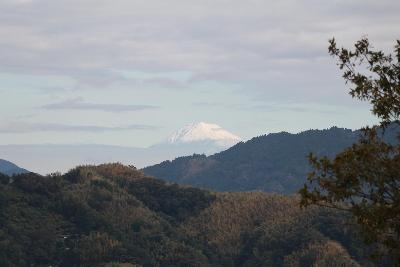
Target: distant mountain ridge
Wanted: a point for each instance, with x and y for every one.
(272, 163)
(197, 138)
(9, 168)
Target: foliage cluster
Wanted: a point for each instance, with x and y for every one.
(364, 179)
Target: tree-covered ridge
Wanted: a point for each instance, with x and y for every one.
(113, 215)
(272, 163)
(258, 229)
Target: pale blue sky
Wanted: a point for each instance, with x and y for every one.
(132, 72)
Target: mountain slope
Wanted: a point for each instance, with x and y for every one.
(272, 163)
(112, 215)
(9, 168)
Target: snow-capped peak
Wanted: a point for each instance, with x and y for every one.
(203, 131)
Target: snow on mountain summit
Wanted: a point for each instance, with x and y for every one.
(203, 131)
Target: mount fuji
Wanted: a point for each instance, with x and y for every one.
(202, 131)
(199, 138)
(195, 138)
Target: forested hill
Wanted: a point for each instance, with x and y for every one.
(112, 215)
(272, 163)
(9, 168)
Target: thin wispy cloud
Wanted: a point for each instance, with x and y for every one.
(80, 104)
(272, 107)
(27, 127)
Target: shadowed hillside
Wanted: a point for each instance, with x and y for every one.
(272, 163)
(9, 168)
(111, 215)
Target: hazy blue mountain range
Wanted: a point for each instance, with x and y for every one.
(9, 168)
(272, 163)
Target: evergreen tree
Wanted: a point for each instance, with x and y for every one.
(365, 178)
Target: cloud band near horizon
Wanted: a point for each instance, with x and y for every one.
(26, 127)
(79, 104)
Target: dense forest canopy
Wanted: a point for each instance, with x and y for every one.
(113, 215)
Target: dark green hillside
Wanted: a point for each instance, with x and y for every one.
(9, 168)
(272, 163)
(112, 215)
(93, 215)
